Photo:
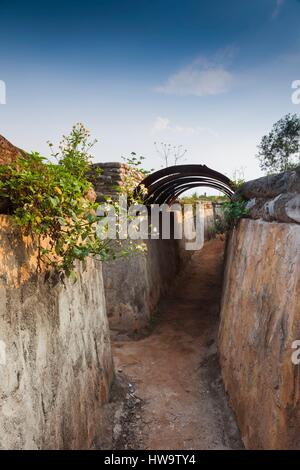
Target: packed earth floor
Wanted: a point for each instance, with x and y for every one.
(174, 397)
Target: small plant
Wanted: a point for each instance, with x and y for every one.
(74, 152)
(233, 212)
(136, 162)
(170, 153)
(133, 176)
(220, 224)
(237, 184)
(212, 232)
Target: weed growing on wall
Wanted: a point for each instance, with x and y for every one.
(133, 176)
(233, 212)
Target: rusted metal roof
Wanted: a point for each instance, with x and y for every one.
(164, 186)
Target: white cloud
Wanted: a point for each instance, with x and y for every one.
(277, 8)
(201, 78)
(164, 125)
(161, 124)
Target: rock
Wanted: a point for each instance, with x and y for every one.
(260, 320)
(276, 209)
(8, 152)
(270, 186)
(91, 195)
(283, 208)
(112, 178)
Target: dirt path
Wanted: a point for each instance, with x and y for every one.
(174, 371)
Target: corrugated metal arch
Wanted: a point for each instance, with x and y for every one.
(164, 186)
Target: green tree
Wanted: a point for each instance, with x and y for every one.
(279, 150)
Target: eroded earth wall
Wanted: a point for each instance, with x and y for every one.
(260, 320)
(55, 357)
(134, 285)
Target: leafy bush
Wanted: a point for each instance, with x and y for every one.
(237, 184)
(54, 204)
(233, 212)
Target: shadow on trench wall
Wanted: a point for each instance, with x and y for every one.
(134, 285)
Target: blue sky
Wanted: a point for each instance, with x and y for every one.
(212, 76)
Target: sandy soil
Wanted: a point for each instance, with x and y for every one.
(175, 397)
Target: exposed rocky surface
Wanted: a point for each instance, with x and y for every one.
(143, 279)
(8, 152)
(260, 319)
(55, 355)
(123, 414)
(111, 177)
(283, 208)
(268, 187)
(274, 197)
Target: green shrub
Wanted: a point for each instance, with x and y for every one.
(233, 212)
(51, 203)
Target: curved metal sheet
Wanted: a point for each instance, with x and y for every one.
(165, 185)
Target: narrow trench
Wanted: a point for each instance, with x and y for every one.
(175, 397)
